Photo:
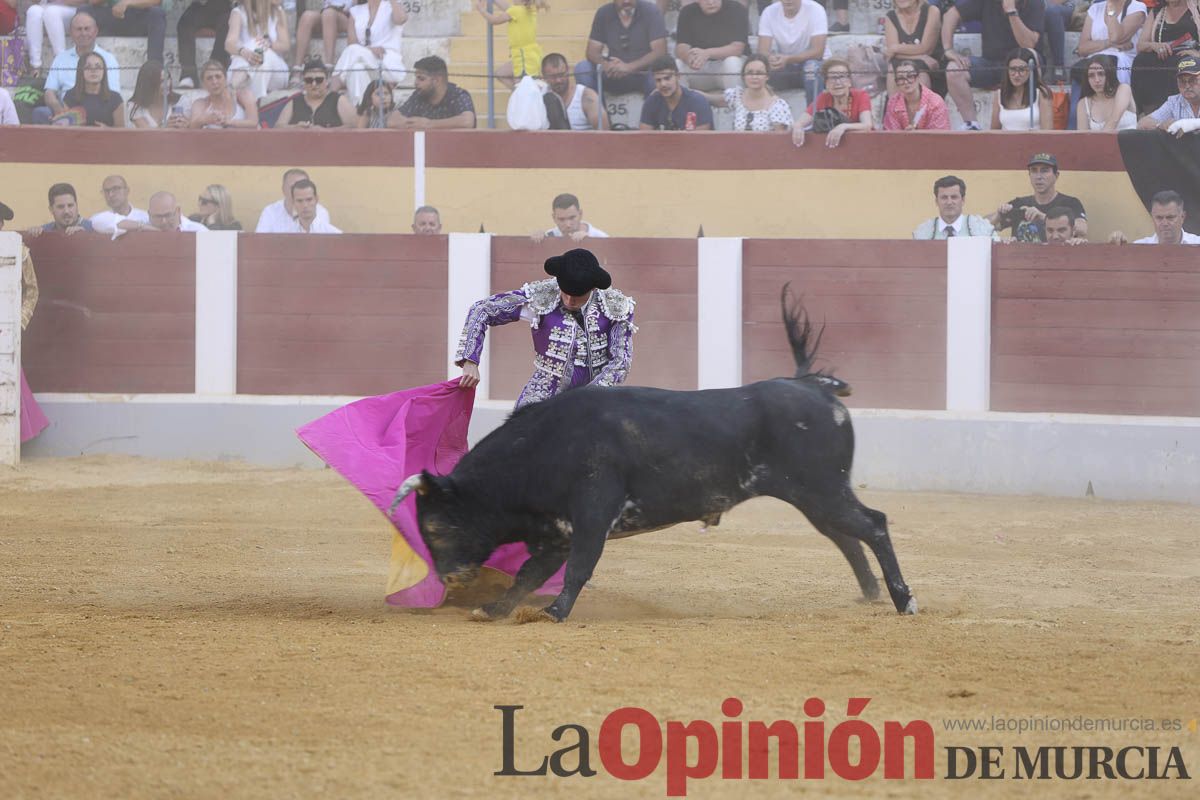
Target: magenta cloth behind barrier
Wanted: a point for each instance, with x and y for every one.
(33, 421)
(377, 442)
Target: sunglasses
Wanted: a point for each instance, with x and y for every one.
(207, 201)
(367, 38)
(314, 80)
(749, 120)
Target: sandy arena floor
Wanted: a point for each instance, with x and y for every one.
(191, 630)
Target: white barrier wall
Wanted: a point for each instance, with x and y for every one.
(10, 348)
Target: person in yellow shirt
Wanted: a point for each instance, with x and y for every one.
(525, 52)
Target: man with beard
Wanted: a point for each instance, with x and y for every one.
(671, 106)
(435, 102)
(568, 109)
(1026, 216)
(64, 207)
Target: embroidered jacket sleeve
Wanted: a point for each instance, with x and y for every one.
(618, 308)
(29, 289)
(499, 309)
(620, 354)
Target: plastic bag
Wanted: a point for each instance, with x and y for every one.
(526, 111)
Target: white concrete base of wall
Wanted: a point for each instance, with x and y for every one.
(1124, 458)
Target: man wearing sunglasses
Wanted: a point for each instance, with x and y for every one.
(1184, 106)
(116, 197)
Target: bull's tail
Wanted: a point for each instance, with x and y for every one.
(804, 344)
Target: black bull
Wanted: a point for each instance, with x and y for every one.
(565, 475)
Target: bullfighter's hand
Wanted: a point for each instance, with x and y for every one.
(470, 376)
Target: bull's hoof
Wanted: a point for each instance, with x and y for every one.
(527, 614)
(910, 607)
(480, 615)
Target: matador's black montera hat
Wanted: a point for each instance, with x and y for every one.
(578, 272)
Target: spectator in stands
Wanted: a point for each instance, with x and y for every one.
(1173, 29)
(165, 217)
(201, 14)
(372, 47)
(672, 107)
(1026, 216)
(279, 217)
(914, 107)
(1168, 214)
(568, 109)
(1105, 104)
(116, 196)
(1060, 226)
(634, 34)
(331, 20)
(568, 222)
(1182, 106)
(47, 18)
(712, 39)
(913, 30)
(258, 39)
(841, 108)
(792, 35)
(102, 107)
(1007, 25)
(427, 221)
(64, 208)
(216, 209)
(525, 54)
(8, 18)
(65, 65)
(1058, 17)
(755, 107)
(8, 112)
(950, 193)
(435, 102)
(133, 18)
(316, 106)
(222, 107)
(305, 201)
(376, 105)
(1011, 103)
(1111, 29)
(147, 107)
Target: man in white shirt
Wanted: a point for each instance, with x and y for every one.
(950, 192)
(61, 78)
(792, 35)
(1168, 214)
(304, 200)
(164, 217)
(8, 112)
(280, 217)
(427, 221)
(116, 197)
(568, 222)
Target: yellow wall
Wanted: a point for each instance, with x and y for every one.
(864, 204)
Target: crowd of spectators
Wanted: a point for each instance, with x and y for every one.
(1127, 65)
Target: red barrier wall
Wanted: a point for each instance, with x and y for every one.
(350, 314)
(1099, 329)
(113, 316)
(884, 309)
(660, 274)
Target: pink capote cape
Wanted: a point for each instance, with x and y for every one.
(376, 443)
(33, 421)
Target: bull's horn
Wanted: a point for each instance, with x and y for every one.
(410, 483)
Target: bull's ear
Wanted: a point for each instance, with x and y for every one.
(434, 484)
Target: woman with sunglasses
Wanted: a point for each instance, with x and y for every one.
(102, 106)
(755, 107)
(223, 107)
(372, 46)
(317, 106)
(1011, 102)
(852, 105)
(915, 107)
(216, 209)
